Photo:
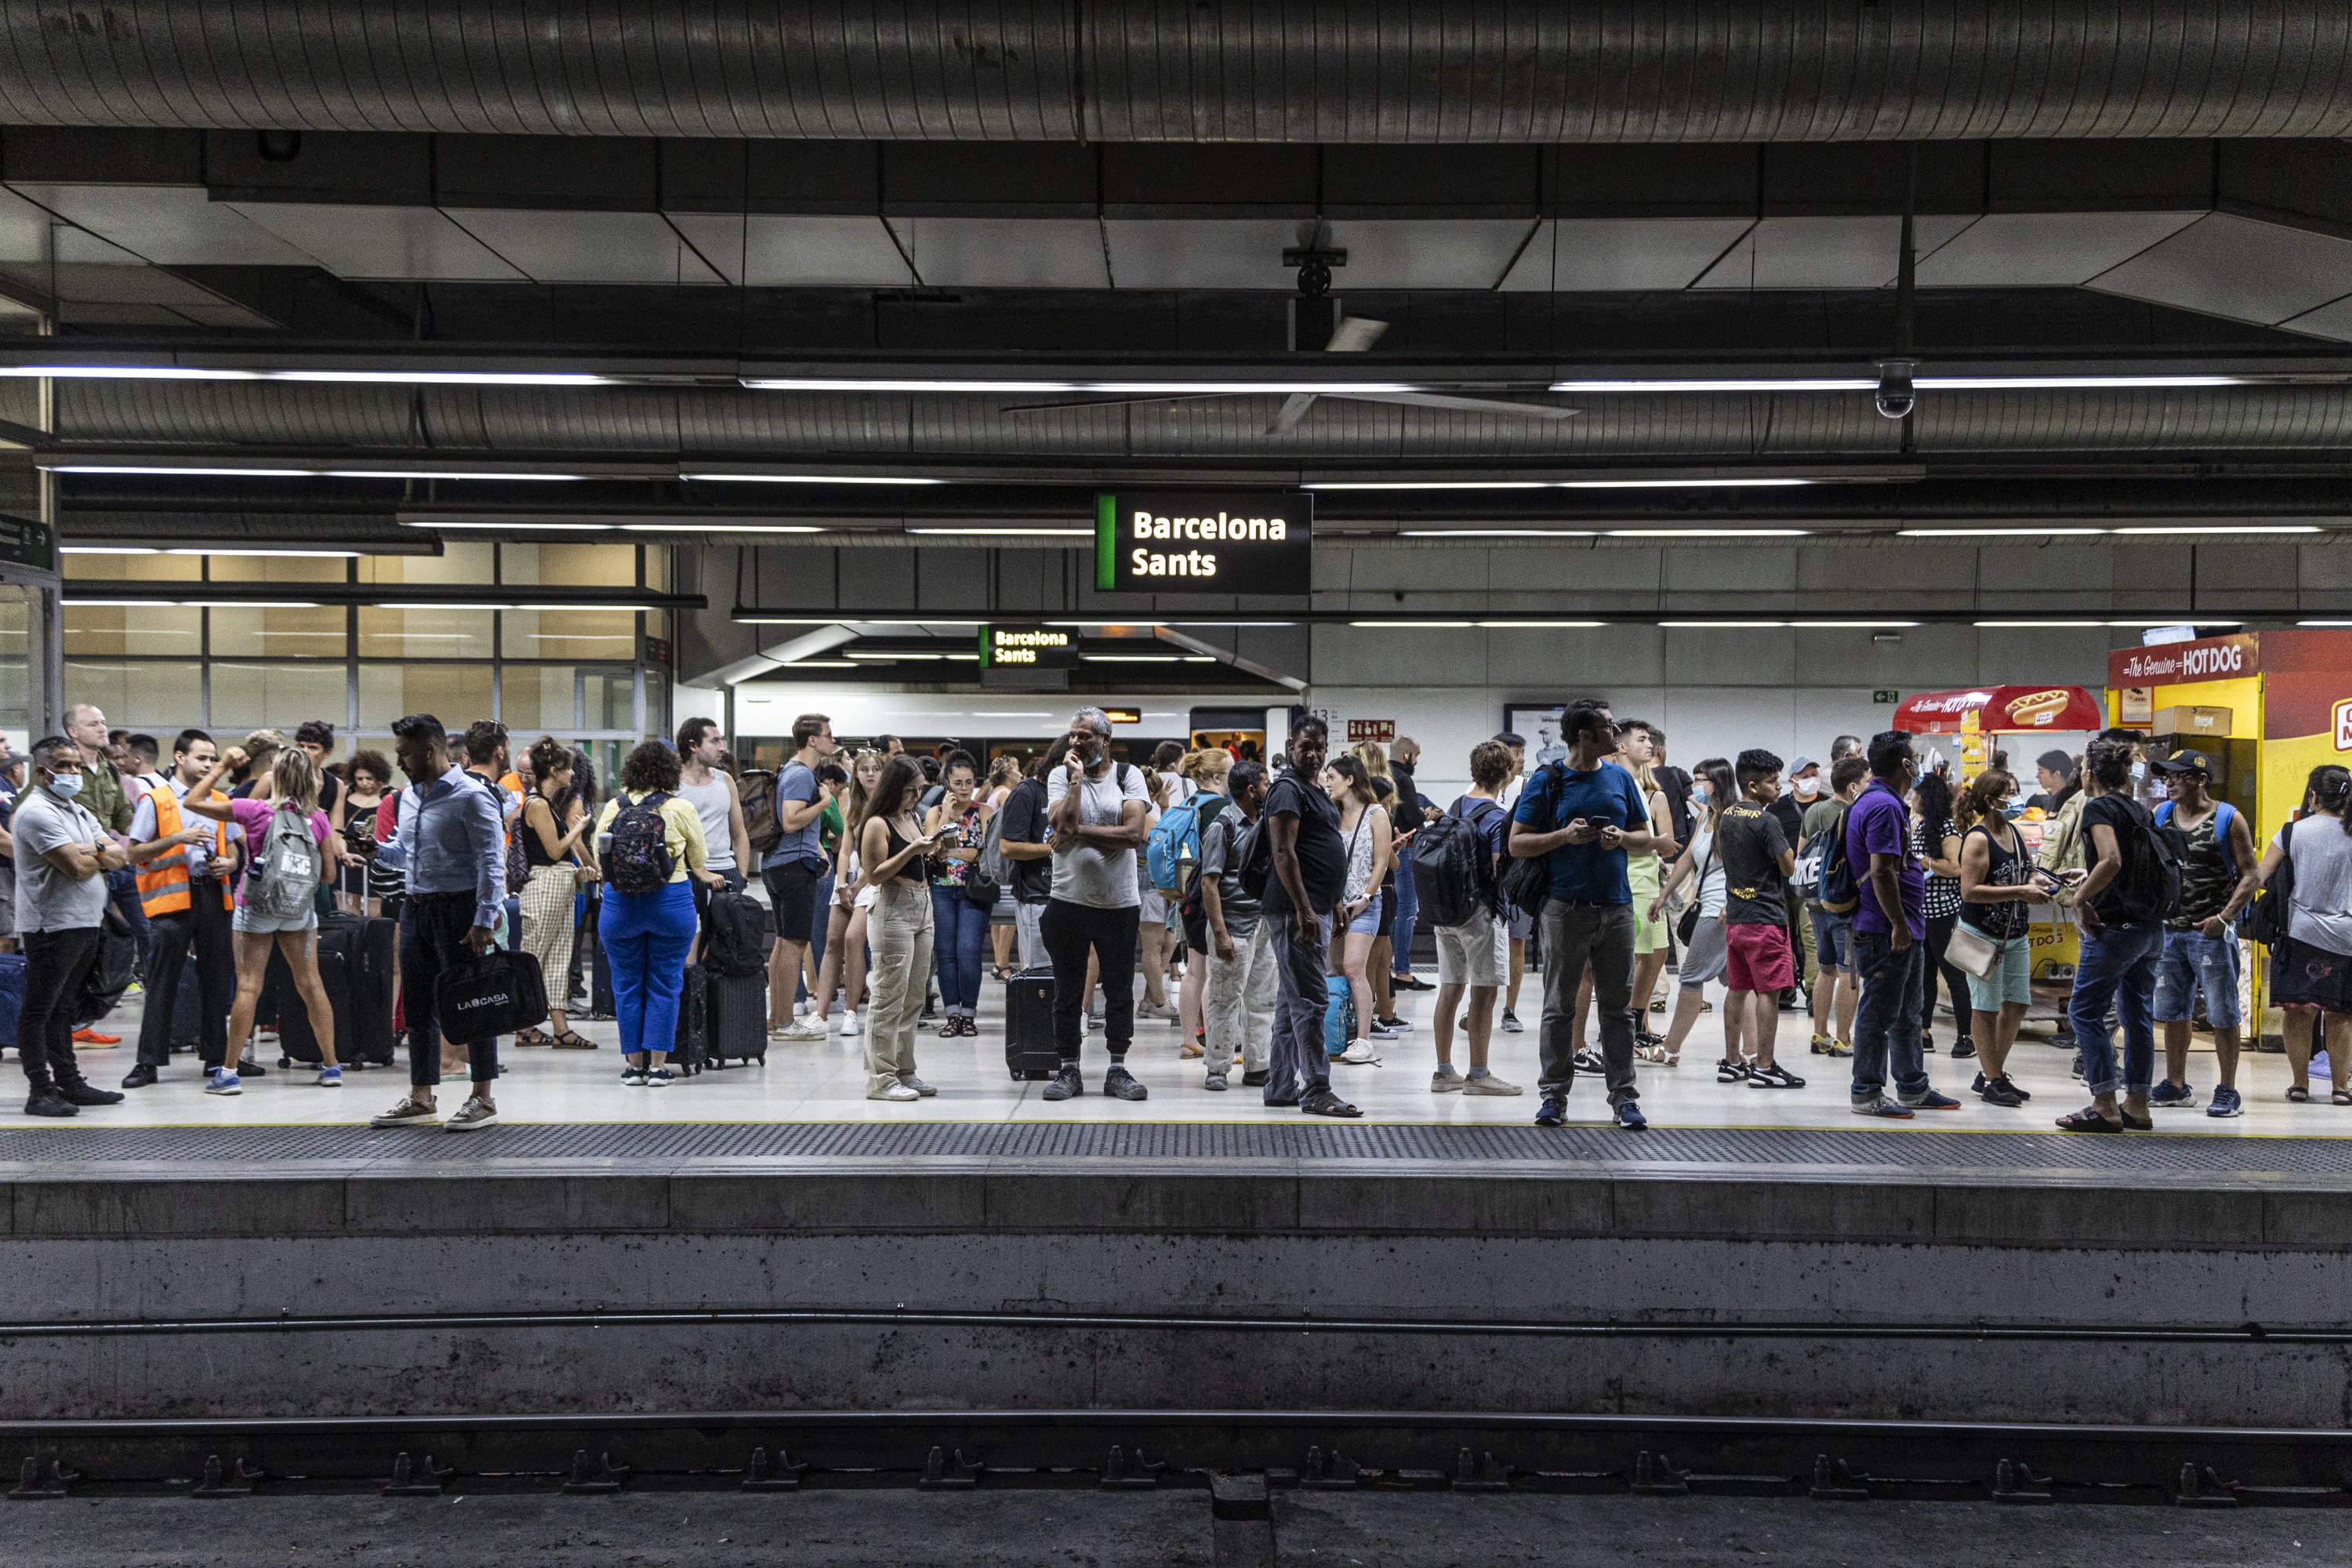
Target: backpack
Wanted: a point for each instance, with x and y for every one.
(1173, 847)
(2265, 918)
(758, 790)
(1835, 887)
(2149, 886)
(285, 876)
(2224, 814)
(1811, 853)
(639, 860)
(1453, 866)
(735, 932)
(1527, 881)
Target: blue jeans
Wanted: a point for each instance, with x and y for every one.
(1886, 1019)
(2117, 966)
(958, 935)
(817, 934)
(1297, 1066)
(122, 892)
(2192, 963)
(1408, 915)
(645, 937)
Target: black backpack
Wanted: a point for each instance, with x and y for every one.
(639, 860)
(2265, 918)
(1527, 882)
(734, 940)
(1452, 867)
(2148, 886)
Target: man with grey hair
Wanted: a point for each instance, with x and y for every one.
(64, 856)
(1095, 813)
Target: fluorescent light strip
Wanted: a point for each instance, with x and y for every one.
(1758, 483)
(815, 478)
(436, 474)
(2083, 624)
(1530, 626)
(281, 555)
(1924, 382)
(1432, 485)
(2230, 528)
(540, 526)
(1849, 626)
(403, 377)
(564, 605)
(1416, 626)
(1989, 532)
(1498, 532)
(1708, 532)
(180, 472)
(1011, 532)
(818, 664)
(1144, 388)
(720, 528)
(1752, 482)
(1814, 384)
(1147, 659)
(1721, 626)
(109, 549)
(2324, 623)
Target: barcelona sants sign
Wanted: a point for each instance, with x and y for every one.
(1213, 541)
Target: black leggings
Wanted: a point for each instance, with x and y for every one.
(1939, 937)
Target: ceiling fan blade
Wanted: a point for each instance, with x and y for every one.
(1466, 405)
(1294, 409)
(1354, 334)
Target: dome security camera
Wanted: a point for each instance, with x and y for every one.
(1896, 396)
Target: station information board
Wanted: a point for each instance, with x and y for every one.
(1028, 646)
(1227, 542)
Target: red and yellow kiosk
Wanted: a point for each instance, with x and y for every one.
(2061, 717)
(2267, 707)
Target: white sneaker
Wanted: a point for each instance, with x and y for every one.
(850, 1028)
(800, 1009)
(1487, 1083)
(896, 1092)
(801, 1030)
(1446, 1082)
(1360, 1053)
(919, 1086)
(833, 1023)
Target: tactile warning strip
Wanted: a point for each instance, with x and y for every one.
(28, 1150)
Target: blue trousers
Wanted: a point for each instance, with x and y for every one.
(959, 936)
(645, 937)
(2117, 966)
(122, 892)
(1408, 914)
(1886, 1020)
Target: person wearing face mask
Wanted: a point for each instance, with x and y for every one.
(64, 857)
(1788, 810)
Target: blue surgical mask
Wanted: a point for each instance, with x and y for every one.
(65, 786)
(1701, 795)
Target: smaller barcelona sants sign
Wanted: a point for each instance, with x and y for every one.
(1223, 542)
(1028, 648)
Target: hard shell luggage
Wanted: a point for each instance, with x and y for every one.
(11, 994)
(375, 947)
(735, 1016)
(295, 1039)
(690, 1053)
(1029, 1048)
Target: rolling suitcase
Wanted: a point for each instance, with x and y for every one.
(295, 1040)
(735, 1016)
(1029, 1048)
(375, 948)
(11, 994)
(691, 1052)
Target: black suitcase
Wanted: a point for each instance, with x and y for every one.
(355, 963)
(1029, 1048)
(187, 1009)
(295, 1040)
(735, 1014)
(691, 1052)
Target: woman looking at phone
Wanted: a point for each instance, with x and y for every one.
(896, 853)
(1998, 880)
(960, 927)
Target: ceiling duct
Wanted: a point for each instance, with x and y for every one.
(1466, 71)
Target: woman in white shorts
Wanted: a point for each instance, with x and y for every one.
(1706, 951)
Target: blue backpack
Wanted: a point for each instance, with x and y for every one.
(2224, 814)
(1172, 851)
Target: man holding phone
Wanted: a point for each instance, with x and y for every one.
(1095, 811)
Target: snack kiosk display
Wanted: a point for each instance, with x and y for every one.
(2046, 718)
(2267, 707)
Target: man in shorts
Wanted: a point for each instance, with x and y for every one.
(1474, 955)
(1836, 987)
(1756, 865)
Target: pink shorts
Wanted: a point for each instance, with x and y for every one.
(1760, 959)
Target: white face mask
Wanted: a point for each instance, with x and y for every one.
(1805, 789)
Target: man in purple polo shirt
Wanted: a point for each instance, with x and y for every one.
(1890, 932)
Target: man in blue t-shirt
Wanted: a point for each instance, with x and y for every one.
(1890, 937)
(1582, 813)
(792, 871)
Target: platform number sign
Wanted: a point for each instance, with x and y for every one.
(1196, 542)
(2343, 725)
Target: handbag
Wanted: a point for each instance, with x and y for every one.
(1971, 952)
(498, 992)
(1687, 927)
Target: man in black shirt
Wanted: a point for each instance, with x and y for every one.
(1405, 816)
(2122, 942)
(1023, 845)
(1757, 859)
(1306, 872)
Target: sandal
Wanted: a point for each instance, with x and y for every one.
(1326, 1103)
(2088, 1120)
(570, 1040)
(2136, 1123)
(531, 1038)
(1656, 1055)
(2341, 1097)
(2298, 1094)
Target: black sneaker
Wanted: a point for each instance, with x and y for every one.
(46, 1101)
(140, 1077)
(1774, 1076)
(1729, 1071)
(1066, 1084)
(81, 1092)
(1588, 1060)
(1255, 1080)
(2000, 1092)
(1121, 1084)
(1964, 1048)
(1552, 1111)
(2011, 1084)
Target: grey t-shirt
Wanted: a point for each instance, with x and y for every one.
(1221, 857)
(2321, 915)
(1098, 878)
(46, 899)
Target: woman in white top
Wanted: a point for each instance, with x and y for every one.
(1707, 952)
(1364, 830)
(2311, 972)
(845, 921)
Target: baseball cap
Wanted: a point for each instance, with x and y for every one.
(1800, 764)
(2184, 763)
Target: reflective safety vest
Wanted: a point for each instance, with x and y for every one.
(163, 881)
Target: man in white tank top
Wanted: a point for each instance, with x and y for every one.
(711, 793)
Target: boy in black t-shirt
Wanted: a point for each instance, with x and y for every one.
(1757, 864)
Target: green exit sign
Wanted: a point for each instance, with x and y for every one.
(1883, 695)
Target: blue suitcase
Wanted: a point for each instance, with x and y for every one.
(1338, 1016)
(11, 994)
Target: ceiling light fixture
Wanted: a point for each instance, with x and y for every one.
(2324, 623)
(720, 528)
(2039, 626)
(1923, 383)
(1721, 625)
(402, 377)
(1695, 482)
(1498, 532)
(1416, 626)
(177, 472)
(507, 524)
(814, 479)
(1011, 532)
(564, 604)
(278, 555)
(1989, 532)
(1734, 384)
(1855, 625)
(1773, 483)
(1534, 626)
(2226, 528)
(438, 474)
(116, 549)
(1708, 532)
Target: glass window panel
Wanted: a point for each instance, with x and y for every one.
(158, 695)
(570, 565)
(317, 633)
(570, 634)
(424, 633)
(157, 568)
(249, 696)
(278, 569)
(457, 694)
(610, 699)
(657, 559)
(535, 696)
(159, 630)
(16, 660)
(461, 561)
